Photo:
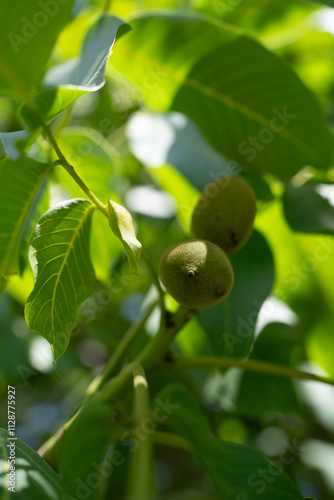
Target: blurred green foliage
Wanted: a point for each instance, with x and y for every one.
(292, 261)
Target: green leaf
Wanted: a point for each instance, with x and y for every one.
(275, 343)
(189, 495)
(93, 157)
(14, 143)
(160, 141)
(235, 90)
(10, 366)
(64, 276)
(68, 81)
(172, 139)
(79, 467)
(28, 31)
(324, 2)
(19, 184)
(232, 468)
(184, 193)
(121, 224)
(230, 325)
(34, 478)
(307, 211)
(193, 340)
(49, 103)
(94, 161)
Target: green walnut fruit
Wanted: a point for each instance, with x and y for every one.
(196, 273)
(225, 213)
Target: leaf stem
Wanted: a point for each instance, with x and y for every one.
(115, 387)
(157, 284)
(155, 350)
(49, 450)
(141, 483)
(103, 208)
(106, 6)
(183, 363)
(70, 169)
(118, 355)
(169, 439)
(150, 356)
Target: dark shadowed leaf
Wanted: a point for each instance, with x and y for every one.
(232, 468)
(307, 210)
(324, 2)
(230, 325)
(278, 395)
(34, 478)
(87, 451)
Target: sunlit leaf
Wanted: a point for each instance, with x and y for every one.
(121, 224)
(34, 478)
(93, 158)
(19, 184)
(64, 276)
(250, 106)
(66, 82)
(94, 161)
(28, 31)
(193, 340)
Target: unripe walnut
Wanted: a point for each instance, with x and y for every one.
(196, 273)
(225, 213)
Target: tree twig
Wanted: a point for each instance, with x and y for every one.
(253, 365)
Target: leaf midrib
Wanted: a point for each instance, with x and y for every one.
(223, 98)
(70, 246)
